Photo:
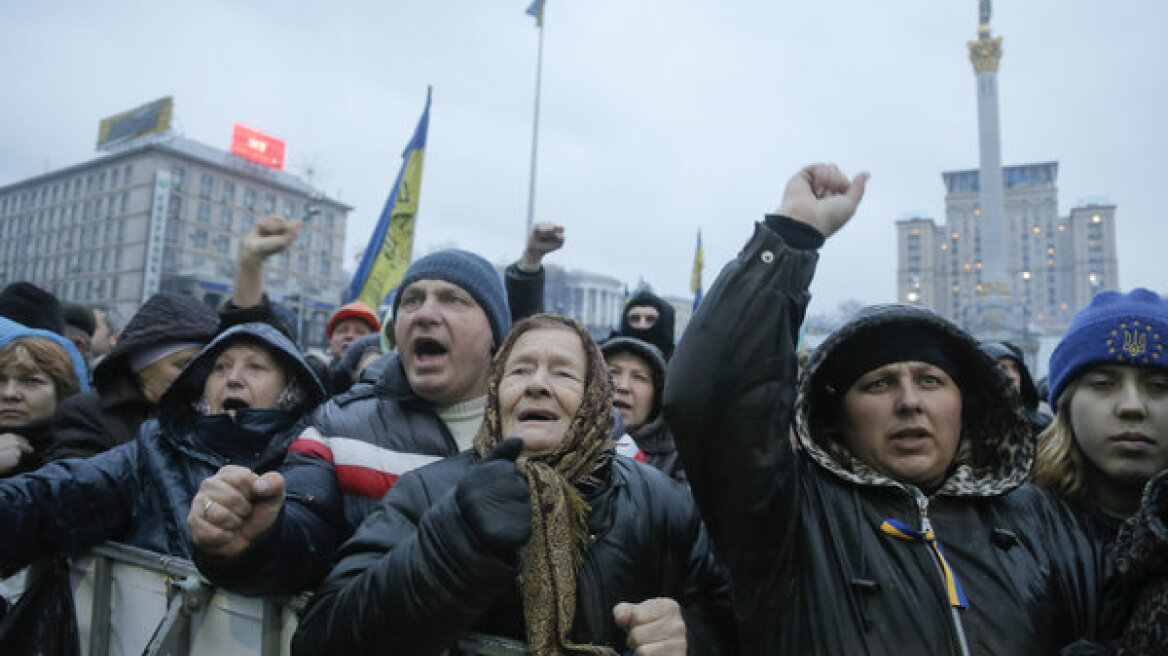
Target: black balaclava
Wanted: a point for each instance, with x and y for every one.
(660, 334)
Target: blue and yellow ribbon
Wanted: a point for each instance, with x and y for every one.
(903, 531)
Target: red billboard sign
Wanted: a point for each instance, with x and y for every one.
(257, 147)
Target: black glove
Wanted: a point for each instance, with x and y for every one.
(494, 500)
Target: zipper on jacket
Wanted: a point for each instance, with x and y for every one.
(927, 527)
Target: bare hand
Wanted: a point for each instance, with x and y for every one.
(654, 626)
(821, 196)
(13, 447)
(232, 508)
(271, 234)
(545, 238)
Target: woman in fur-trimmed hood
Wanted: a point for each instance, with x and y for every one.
(900, 520)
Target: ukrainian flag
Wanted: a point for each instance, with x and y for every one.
(535, 10)
(388, 254)
(695, 277)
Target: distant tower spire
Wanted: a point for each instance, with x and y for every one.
(985, 53)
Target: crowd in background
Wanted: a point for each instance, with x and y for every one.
(466, 463)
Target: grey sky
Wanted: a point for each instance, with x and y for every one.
(658, 116)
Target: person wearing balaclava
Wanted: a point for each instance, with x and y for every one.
(649, 318)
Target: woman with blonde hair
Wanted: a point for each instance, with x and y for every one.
(1109, 386)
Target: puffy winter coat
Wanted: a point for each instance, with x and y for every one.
(800, 528)
(352, 452)
(413, 579)
(140, 492)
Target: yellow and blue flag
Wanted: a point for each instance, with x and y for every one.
(388, 254)
(695, 278)
(536, 10)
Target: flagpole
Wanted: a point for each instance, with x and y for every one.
(534, 132)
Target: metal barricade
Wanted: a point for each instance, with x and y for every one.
(132, 601)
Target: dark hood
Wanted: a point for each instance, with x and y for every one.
(995, 434)
(176, 407)
(650, 354)
(163, 318)
(659, 334)
(1029, 391)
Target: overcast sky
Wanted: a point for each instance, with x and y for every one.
(658, 116)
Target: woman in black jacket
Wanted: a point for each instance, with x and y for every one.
(901, 522)
(564, 546)
(238, 402)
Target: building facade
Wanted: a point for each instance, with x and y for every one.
(1005, 265)
(1054, 264)
(168, 214)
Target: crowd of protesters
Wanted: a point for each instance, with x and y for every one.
(466, 463)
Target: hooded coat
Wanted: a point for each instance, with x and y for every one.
(140, 492)
(1028, 391)
(39, 436)
(800, 526)
(112, 412)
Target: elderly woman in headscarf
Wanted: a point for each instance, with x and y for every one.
(38, 370)
(544, 537)
(238, 402)
(901, 521)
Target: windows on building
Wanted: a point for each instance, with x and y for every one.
(206, 183)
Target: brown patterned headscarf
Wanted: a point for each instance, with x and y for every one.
(559, 514)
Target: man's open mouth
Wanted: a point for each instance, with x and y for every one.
(425, 347)
(622, 405)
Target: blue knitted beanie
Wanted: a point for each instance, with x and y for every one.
(470, 272)
(1115, 328)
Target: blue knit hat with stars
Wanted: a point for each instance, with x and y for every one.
(1129, 329)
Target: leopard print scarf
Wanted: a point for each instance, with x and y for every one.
(559, 514)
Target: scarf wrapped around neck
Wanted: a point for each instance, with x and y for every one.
(559, 514)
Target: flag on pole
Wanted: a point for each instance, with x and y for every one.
(695, 278)
(536, 10)
(388, 253)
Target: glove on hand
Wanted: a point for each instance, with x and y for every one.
(494, 500)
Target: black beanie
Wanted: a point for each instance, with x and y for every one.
(885, 344)
(32, 307)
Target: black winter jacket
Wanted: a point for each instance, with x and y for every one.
(800, 528)
(140, 492)
(413, 579)
(354, 449)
